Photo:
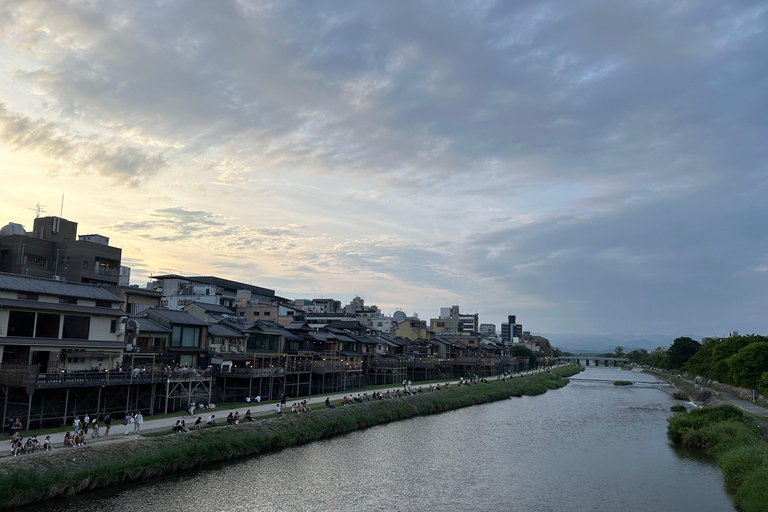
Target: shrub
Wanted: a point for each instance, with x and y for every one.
(679, 395)
(677, 408)
(622, 383)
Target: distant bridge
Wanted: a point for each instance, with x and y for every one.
(594, 360)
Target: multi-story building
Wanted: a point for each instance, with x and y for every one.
(487, 330)
(179, 291)
(53, 249)
(511, 330)
(59, 325)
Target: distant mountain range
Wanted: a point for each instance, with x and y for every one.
(600, 343)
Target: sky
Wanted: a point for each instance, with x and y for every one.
(591, 167)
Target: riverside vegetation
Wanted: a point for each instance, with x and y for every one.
(58, 474)
(737, 444)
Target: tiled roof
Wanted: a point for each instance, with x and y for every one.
(55, 306)
(19, 283)
(223, 331)
(214, 308)
(177, 317)
(149, 325)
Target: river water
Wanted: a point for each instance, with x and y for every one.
(590, 446)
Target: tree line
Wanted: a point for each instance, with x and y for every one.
(738, 360)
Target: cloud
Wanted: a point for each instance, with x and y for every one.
(587, 165)
(108, 158)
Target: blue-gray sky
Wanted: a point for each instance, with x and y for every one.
(589, 166)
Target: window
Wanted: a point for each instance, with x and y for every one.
(113, 326)
(47, 325)
(67, 300)
(27, 296)
(76, 327)
(21, 324)
(85, 264)
(103, 304)
(255, 313)
(266, 313)
(36, 261)
(185, 336)
(290, 313)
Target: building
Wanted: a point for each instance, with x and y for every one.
(511, 330)
(53, 249)
(179, 291)
(275, 312)
(487, 330)
(59, 325)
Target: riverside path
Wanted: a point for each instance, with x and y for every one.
(258, 410)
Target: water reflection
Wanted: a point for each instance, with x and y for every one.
(590, 446)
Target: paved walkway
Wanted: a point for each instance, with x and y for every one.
(745, 405)
(259, 411)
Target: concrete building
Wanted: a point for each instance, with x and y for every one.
(53, 248)
(487, 330)
(179, 291)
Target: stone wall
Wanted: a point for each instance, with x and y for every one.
(743, 393)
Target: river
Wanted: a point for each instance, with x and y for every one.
(590, 446)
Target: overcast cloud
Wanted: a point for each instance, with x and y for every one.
(588, 166)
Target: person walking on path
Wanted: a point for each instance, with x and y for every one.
(127, 422)
(86, 421)
(16, 427)
(138, 420)
(282, 399)
(107, 423)
(77, 424)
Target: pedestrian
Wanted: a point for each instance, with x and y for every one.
(138, 421)
(86, 421)
(127, 422)
(77, 424)
(107, 423)
(282, 399)
(95, 425)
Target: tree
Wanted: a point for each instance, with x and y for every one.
(720, 370)
(681, 351)
(618, 351)
(748, 365)
(523, 351)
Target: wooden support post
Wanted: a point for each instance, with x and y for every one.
(167, 392)
(6, 390)
(29, 411)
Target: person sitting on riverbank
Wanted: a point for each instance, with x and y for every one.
(305, 403)
(35, 444)
(16, 447)
(387, 395)
(237, 417)
(430, 388)
(184, 428)
(230, 418)
(177, 427)
(47, 444)
(27, 446)
(69, 439)
(80, 439)
(248, 415)
(211, 420)
(278, 410)
(199, 423)
(328, 403)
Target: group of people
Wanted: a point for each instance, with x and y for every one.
(19, 446)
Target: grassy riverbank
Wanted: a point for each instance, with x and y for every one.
(66, 472)
(738, 446)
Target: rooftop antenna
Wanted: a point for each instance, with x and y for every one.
(38, 209)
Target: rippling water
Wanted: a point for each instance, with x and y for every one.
(590, 446)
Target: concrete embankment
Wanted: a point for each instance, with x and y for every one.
(66, 472)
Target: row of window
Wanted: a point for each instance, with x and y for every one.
(62, 300)
(29, 324)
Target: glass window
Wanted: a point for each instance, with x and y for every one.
(21, 324)
(77, 327)
(47, 325)
(185, 336)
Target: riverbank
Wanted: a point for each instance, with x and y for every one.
(737, 444)
(73, 471)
